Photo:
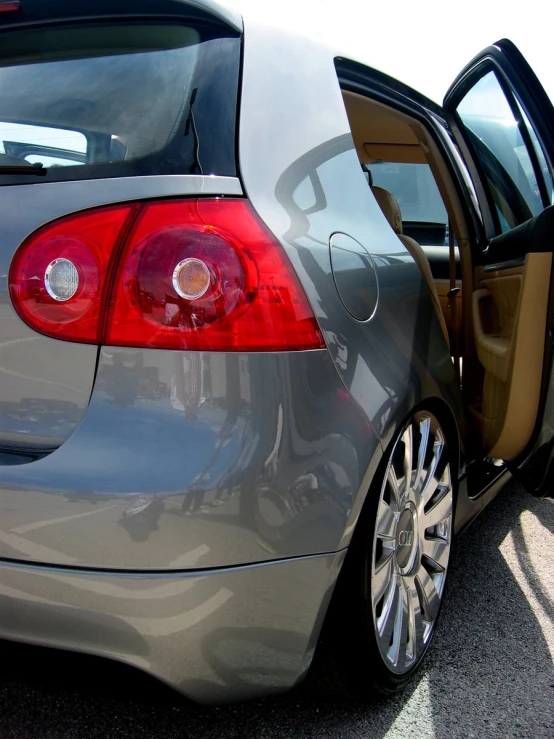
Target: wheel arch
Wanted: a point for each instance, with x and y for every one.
(447, 419)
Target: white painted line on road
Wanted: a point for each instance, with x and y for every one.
(9, 342)
(51, 521)
(43, 381)
(189, 558)
(147, 626)
(35, 551)
(17, 594)
(102, 587)
(182, 621)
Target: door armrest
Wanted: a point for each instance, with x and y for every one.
(493, 350)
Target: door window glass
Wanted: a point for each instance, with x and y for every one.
(41, 145)
(501, 150)
(424, 216)
(539, 152)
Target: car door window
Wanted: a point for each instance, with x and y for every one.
(44, 145)
(539, 152)
(514, 173)
(424, 215)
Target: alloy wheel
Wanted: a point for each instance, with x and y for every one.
(411, 543)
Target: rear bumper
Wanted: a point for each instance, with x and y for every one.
(215, 635)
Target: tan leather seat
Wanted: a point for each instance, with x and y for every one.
(391, 211)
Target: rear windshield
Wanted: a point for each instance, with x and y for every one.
(118, 99)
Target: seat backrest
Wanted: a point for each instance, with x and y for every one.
(391, 210)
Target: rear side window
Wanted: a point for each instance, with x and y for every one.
(98, 100)
(424, 216)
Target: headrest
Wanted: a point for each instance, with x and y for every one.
(389, 206)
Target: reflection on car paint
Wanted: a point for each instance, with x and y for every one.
(236, 451)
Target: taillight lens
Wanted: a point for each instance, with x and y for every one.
(85, 241)
(187, 274)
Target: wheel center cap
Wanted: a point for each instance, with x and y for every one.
(405, 539)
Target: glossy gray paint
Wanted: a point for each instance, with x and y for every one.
(272, 435)
(310, 186)
(45, 384)
(215, 635)
(290, 442)
(355, 276)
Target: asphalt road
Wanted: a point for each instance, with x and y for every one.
(489, 674)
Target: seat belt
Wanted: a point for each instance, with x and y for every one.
(453, 303)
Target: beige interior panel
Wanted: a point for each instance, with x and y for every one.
(375, 124)
(501, 316)
(443, 288)
(509, 321)
(410, 153)
(495, 307)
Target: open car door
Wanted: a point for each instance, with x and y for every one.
(503, 123)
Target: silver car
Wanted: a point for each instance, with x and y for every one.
(274, 329)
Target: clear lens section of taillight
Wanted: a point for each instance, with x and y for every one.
(191, 278)
(61, 279)
(58, 275)
(182, 274)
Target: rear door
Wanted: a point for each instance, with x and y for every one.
(503, 123)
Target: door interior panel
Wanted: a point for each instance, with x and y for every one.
(509, 323)
(502, 121)
(443, 288)
(439, 261)
(536, 234)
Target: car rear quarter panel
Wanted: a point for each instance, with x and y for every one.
(301, 172)
(273, 436)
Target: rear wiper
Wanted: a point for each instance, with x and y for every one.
(38, 169)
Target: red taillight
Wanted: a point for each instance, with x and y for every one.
(188, 274)
(9, 6)
(87, 241)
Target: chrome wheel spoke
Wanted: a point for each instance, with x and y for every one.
(424, 429)
(430, 483)
(383, 576)
(411, 544)
(396, 497)
(414, 638)
(385, 622)
(395, 648)
(429, 598)
(386, 521)
(408, 445)
(440, 510)
(428, 490)
(437, 551)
